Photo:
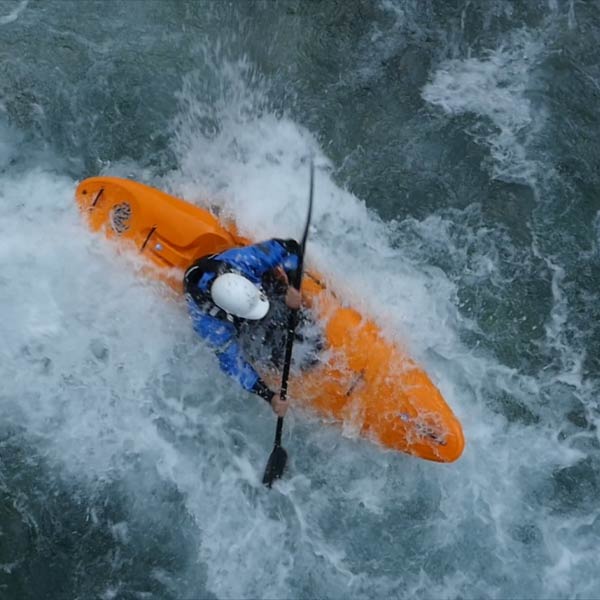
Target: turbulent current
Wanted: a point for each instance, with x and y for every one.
(457, 149)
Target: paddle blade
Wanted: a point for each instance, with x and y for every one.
(275, 466)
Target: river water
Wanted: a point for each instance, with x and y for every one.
(457, 146)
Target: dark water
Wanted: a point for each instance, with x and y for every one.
(458, 154)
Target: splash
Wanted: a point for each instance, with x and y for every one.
(117, 421)
(496, 89)
(14, 14)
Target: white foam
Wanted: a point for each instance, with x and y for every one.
(255, 168)
(496, 88)
(14, 14)
(102, 369)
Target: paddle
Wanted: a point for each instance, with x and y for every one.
(278, 459)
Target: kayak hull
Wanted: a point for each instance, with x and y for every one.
(365, 381)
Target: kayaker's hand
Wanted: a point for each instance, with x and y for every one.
(293, 298)
(279, 406)
(280, 273)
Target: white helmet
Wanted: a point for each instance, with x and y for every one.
(239, 296)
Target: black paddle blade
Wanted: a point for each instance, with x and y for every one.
(275, 466)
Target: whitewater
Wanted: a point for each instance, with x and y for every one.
(456, 149)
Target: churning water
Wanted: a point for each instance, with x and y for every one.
(458, 169)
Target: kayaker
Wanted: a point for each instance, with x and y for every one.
(235, 295)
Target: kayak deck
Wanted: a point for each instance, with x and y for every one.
(365, 381)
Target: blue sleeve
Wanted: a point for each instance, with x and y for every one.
(233, 363)
(254, 261)
(285, 250)
(290, 263)
(221, 335)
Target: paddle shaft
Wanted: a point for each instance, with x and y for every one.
(292, 320)
(293, 317)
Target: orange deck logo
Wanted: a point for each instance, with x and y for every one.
(119, 217)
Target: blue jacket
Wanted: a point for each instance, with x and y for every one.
(254, 262)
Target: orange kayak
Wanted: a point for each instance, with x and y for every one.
(366, 382)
